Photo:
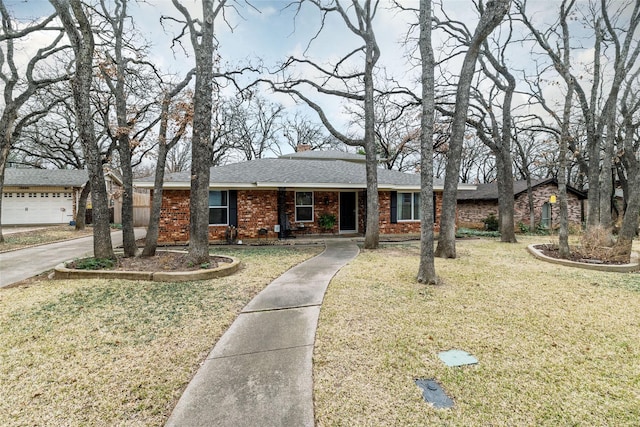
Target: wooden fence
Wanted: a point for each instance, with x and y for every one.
(141, 209)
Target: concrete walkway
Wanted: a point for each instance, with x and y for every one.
(24, 263)
(260, 371)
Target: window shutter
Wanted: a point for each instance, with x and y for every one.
(394, 207)
(233, 207)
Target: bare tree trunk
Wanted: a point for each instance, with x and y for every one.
(372, 234)
(151, 240)
(82, 206)
(4, 154)
(629, 227)
(81, 38)
(426, 269)
(506, 209)
(490, 19)
(362, 26)
(563, 235)
(201, 149)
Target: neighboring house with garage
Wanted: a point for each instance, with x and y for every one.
(278, 197)
(476, 206)
(48, 196)
(41, 196)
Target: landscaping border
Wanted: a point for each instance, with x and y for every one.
(633, 266)
(224, 269)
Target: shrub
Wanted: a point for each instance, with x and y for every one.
(491, 223)
(598, 243)
(94, 264)
(468, 232)
(327, 221)
(596, 237)
(524, 228)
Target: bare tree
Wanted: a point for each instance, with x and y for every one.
(254, 124)
(298, 130)
(202, 41)
(490, 18)
(397, 136)
(358, 86)
(426, 269)
(182, 119)
(123, 72)
(598, 105)
(496, 134)
(79, 31)
(20, 85)
(629, 147)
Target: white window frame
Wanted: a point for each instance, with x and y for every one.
(413, 206)
(226, 207)
(297, 219)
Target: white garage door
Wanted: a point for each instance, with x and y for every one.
(37, 208)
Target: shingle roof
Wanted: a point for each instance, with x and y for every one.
(283, 172)
(45, 177)
(490, 191)
(324, 155)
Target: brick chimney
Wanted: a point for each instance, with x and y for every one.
(303, 147)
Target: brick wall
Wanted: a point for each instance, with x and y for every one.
(472, 213)
(258, 209)
(174, 216)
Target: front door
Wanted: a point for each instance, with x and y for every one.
(348, 216)
(546, 219)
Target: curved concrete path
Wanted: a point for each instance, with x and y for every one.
(260, 371)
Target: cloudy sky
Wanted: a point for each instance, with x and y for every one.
(272, 31)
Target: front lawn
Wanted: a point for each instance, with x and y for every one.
(556, 345)
(118, 352)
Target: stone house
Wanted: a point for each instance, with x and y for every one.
(475, 206)
(279, 197)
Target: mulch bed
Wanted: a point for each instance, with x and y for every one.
(553, 251)
(162, 261)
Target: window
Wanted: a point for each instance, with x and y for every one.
(304, 206)
(218, 208)
(408, 206)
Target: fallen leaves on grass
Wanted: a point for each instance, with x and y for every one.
(117, 352)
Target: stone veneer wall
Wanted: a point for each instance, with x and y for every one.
(541, 195)
(472, 213)
(258, 209)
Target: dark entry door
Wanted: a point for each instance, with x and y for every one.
(348, 211)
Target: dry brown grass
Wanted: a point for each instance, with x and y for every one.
(42, 236)
(556, 345)
(104, 353)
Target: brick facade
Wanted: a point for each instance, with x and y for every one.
(471, 213)
(258, 209)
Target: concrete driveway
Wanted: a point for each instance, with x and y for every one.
(24, 263)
